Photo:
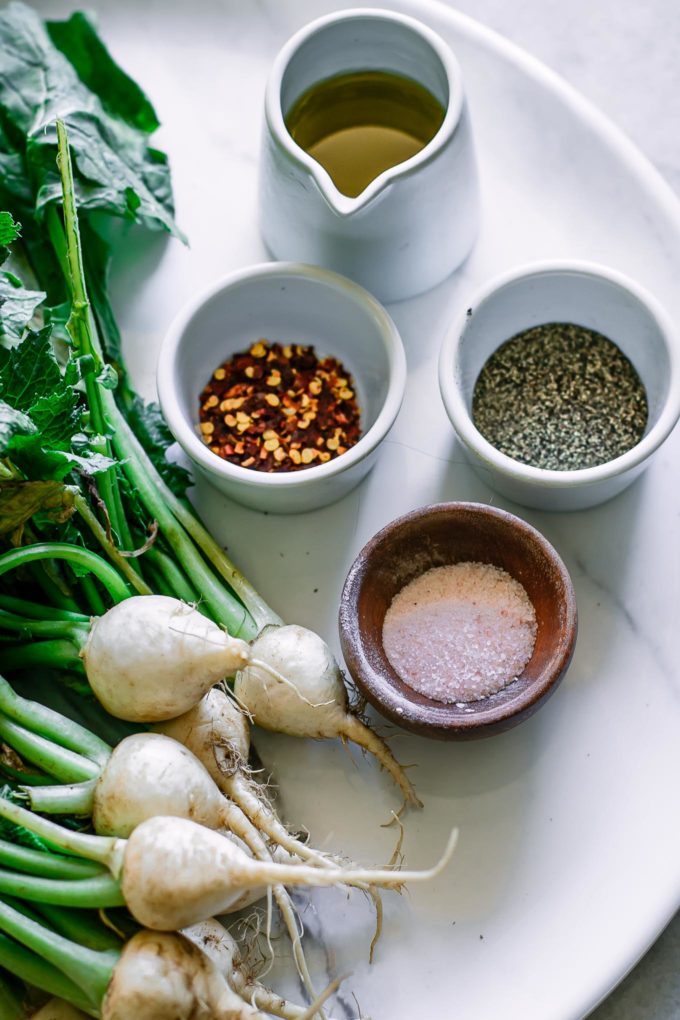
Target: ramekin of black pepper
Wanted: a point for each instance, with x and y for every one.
(561, 379)
(280, 382)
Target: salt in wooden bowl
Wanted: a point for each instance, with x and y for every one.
(436, 536)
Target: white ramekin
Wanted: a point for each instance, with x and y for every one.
(288, 302)
(589, 295)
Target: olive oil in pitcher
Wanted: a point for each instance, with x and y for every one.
(359, 124)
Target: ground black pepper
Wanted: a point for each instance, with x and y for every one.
(277, 407)
(560, 396)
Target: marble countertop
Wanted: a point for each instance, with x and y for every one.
(623, 57)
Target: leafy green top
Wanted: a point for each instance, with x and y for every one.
(68, 74)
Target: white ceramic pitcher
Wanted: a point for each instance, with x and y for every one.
(415, 222)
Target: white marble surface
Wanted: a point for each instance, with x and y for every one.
(569, 821)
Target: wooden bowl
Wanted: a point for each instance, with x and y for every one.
(435, 536)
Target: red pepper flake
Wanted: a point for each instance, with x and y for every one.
(279, 408)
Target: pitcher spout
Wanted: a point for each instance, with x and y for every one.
(345, 206)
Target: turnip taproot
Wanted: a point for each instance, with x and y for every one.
(161, 976)
(174, 872)
(216, 731)
(152, 658)
(313, 703)
(216, 942)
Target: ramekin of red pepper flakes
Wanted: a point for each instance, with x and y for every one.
(277, 407)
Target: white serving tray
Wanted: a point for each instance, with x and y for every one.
(569, 858)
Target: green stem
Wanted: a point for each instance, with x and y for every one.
(53, 725)
(95, 602)
(96, 718)
(149, 486)
(82, 926)
(261, 613)
(158, 581)
(100, 891)
(43, 864)
(175, 580)
(50, 654)
(43, 628)
(51, 758)
(66, 799)
(11, 1001)
(102, 849)
(34, 970)
(36, 611)
(123, 563)
(24, 776)
(54, 592)
(89, 969)
(82, 557)
(144, 478)
(67, 246)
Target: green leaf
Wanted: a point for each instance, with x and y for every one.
(17, 306)
(148, 424)
(29, 371)
(108, 377)
(13, 423)
(57, 418)
(20, 500)
(116, 169)
(38, 460)
(120, 96)
(9, 230)
(17, 833)
(13, 177)
(41, 414)
(57, 316)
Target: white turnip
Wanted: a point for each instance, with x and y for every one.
(150, 774)
(216, 942)
(313, 702)
(153, 657)
(216, 731)
(175, 873)
(166, 977)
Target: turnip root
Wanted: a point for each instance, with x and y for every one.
(216, 942)
(216, 727)
(216, 731)
(163, 976)
(175, 873)
(313, 702)
(166, 977)
(149, 774)
(153, 657)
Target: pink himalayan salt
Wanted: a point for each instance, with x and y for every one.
(461, 632)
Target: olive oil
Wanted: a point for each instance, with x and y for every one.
(359, 124)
